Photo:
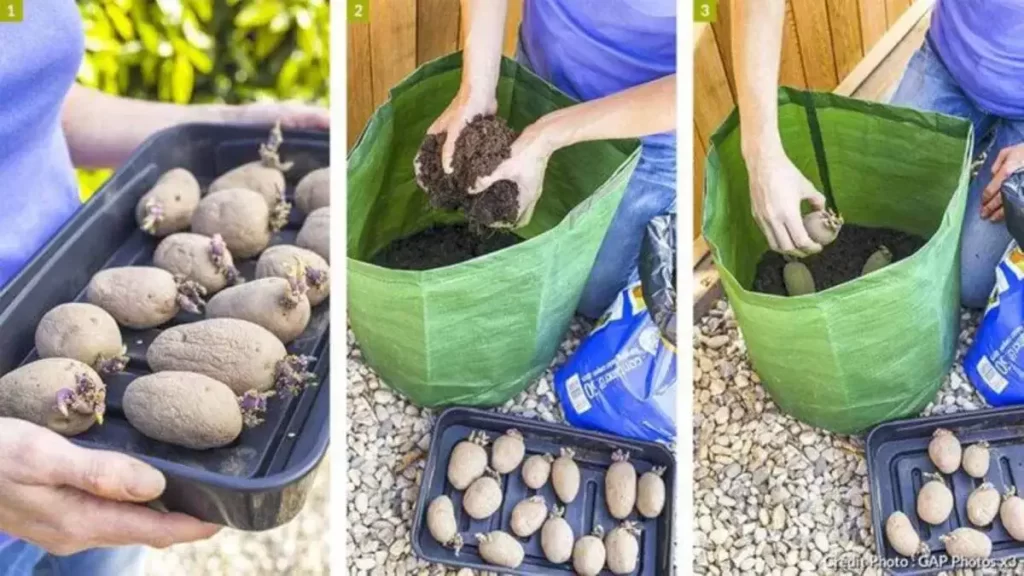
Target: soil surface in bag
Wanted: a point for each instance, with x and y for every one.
(840, 261)
(482, 145)
(442, 246)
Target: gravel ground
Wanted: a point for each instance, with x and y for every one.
(299, 548)
(388, 439)
(772, 495)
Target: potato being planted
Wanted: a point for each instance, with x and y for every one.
(588, 554)
(967, 543)
(556, 537)
(276, 304)
(536, 470)
(187, 409)
(902, 537)
(143, 297)
(879, 259)
(976, 460)
(264, 176)
(650, 493)
(242, 355)
(168, 206)
(798, 279)
(202, 259)
(500, 549)
(441, 523)
(934, 501)
(507, 452)
(823, 226)
(1011, 514)
(623, 548)
(468, 461)
(84, 332)
(242, 219)
(315, 233)
(565, 476)
(483, 497)
(280, 260)
(528, 516)
(64, 395)
(314, 190)
(944, 451)
(983, 505)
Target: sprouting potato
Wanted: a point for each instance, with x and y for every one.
(468, 461)
(823, 226)
(528, 516)
(798, 279)
(64, 395)
(934, 501)
(1011, 514)
(483, 497)
(565, 476)
(441, 523)
(314, 190)
(983, 505)
(143, 297)
(280, 260)
(588, 554)
(507, 452)
(201, 259)
(315, 233)
(500, 549)
(967, 543)
(622, 548)
(620, 486)
(242, 219)
(84, 332)
(879, 259)
(277, 304)
(242, 355)
(976, 460)
(556, 537)
(168, 206)
(650, 493)
(536, 470)
(944, 451)
(902, 536)
(264, 176)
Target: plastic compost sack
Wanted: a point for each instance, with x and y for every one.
(875, 348)
(478, 332)
(622, 378)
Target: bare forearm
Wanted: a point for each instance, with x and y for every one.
(103, 130)
(485, 21)
(757, 50)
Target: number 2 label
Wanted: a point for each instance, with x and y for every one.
(358, 10)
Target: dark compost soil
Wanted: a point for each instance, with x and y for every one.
(840, 261)
(483, 144)
(442, 246)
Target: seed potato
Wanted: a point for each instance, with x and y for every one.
(650, 493)
(483, 497)
(442, 524)
(314, 190)
(588, 554)
(934, 501)
(242, 219)
(276, 304)
(206, 261)
(143, 297)
(983, 505)
(622, 548)
(976, 460)
(944, 451)
(168, 206)
(565, 476)
(507, 452)
(1011, 514)
(537, 470)
(823, 226)
(556, 537)
(264, 176)
(967, 543)
(279, 261)
(902, 536)
(620, 486)
(876, 261)
(64, 395)
(798, 279)
(84, 332)
(468, 461)
(315, 233)
(500, 549)
(528, 516)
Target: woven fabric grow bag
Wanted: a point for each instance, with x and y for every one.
(478, 332)
(875, 348)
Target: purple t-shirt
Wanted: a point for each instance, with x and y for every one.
(981, 42)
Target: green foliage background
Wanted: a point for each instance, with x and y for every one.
(201, 51)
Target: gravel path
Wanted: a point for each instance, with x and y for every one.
(388, 439)
(772, 495)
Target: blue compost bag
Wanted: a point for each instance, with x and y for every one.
(994, 362)
(622, 379)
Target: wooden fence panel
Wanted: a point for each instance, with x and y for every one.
(437, 29)
(359, 98)
(844, 21)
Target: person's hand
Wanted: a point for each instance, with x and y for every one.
(466, 106)
(293, 115)
(65, 499)
(1009, 160)
(777, 189)
(525, 166)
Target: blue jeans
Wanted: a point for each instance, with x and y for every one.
(650, 192)
(927, 85)
(23, 559)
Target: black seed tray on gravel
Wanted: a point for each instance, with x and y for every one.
(259, 481)
(593, 455)
(897, 458)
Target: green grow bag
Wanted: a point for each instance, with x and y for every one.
(875, 348)
(478, 332)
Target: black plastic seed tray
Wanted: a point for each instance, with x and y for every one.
(261, 480)
(897, 458)
(593, 455)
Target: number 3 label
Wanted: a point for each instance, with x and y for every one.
(705, 11)
(11, 11)
(358, 10)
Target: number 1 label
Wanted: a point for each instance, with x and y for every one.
(11, 11)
